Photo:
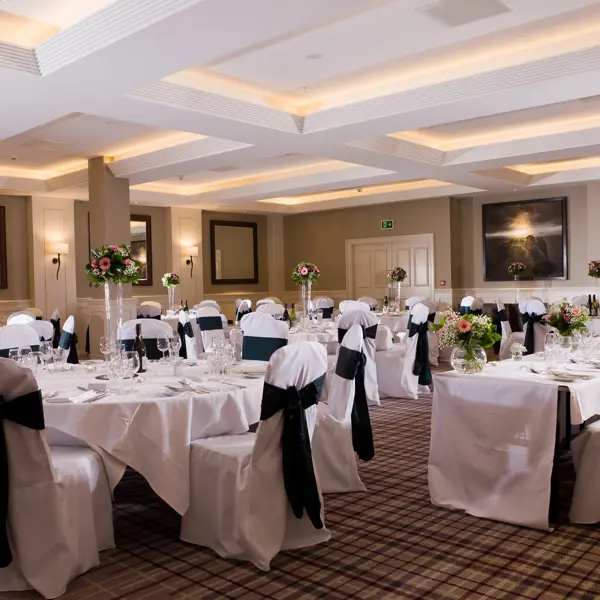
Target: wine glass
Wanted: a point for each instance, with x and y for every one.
(105, 347)
(550, 348)
(15, 354)
(25, 356)
(132, 363)
(175, 345)
(46, 350)
(163, 345)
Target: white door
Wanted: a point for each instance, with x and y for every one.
(369, 260)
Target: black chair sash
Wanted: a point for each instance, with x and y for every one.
(327, 312)
(298, 471)
(184, 330)
(532, 319)
(56, 338)
(68, 341)
(152, 351)
(209, 323)
(260, 348)
(39, 318)
(4, 351)
(502, 316)
(465, 310)
(368, 332)
(351, 365)
(421, 365)
(26, 411)
(87, 340)
(431, 317)
(240, 314)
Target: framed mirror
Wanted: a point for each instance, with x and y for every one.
(3, 261)
(233, 252)
(141, 245)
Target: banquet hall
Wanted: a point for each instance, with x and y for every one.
(299, 299)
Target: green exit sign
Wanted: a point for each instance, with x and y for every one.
(387, 224)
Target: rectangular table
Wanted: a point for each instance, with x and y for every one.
(147, 430)
(494, 435)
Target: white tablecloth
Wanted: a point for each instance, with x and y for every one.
(399, 323)
(594, 325)
(493, 437)
(148, 430)
(324, 335)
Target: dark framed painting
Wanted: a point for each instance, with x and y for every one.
(533, 232)
(233, 252)
(3, 260)
(141, 245)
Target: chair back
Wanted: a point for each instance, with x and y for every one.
(149, 311)
(210, 325)
(36, 312)
(465, 305)
(368, 321)
(241, 309)
(350, 305)
(186, 333)
(531, 310)
(275, 310)
(44, 329)
(264, 301)
(263, 335)
(324, 304)
(477, 306)
(152, 329)
(372, 302)
(206, 303)
(20, 318)
(18, 336)
(275, 299)
(384, 339)
(417, 346)
(412, 300)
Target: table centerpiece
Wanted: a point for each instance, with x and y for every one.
(170, 281)
(304, 275)
(515, 270)
(396, 276)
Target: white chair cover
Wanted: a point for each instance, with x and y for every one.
(18, 336)
(395, 370)
(477, 305)
(152, 329)
(384, 339)
(368, 322)
(412, 300)
(333, 450)
(60, 506)
(264, 301)
(243, 308)
(275, 310)
(239, 506)
(275, 299)
(263, 335)
(434, 346)
(349, 305)
(508, 336)
(326, 305)
(190, 340)
(580, 300)
(206, 303)
(44, 329)
(147, 311)
(537, 308)
(151, 303)
(210, 326)
(585, 448)
(20, 318)
(465, 304)
(372, 302)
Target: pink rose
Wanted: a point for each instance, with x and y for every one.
(464, 326)
(127, 261)
(567, 317)
(114, 248)
(94, 264)
(576, 310)
(303, 271)
(105, 263)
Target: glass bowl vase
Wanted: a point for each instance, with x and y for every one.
(468, 362)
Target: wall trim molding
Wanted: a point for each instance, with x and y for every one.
(508, 294)
(7, 307)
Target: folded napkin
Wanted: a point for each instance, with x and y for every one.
(83, 397)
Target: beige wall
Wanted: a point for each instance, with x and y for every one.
(263, 265)
(17, 248)
(467, 237)
(159, 248)
(321, 237)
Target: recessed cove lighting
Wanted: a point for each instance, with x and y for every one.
(315, 56)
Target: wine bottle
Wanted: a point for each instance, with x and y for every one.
(292, 315)
(286, 315)
(595, 306)
(140, 347)
(186, 307)
(589, 304)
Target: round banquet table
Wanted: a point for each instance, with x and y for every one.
(150, 428)
(326, 336)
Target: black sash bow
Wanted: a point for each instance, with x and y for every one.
(260, 348)
(327, 312)
(298, 472)
(368, 332)
(351, 365)
(421, 365)
(181, 333)
(26, 411)
(502, 316)
(68, 341)
(532, 319)
(56, 338)
(241, 313)
(209, 323)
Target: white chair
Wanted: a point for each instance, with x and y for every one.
(149, 310)
(18, 336)
(275, 299)
(350, 305)
(508, 336)
(333, 449)
(324, 304)
(465, 305)
(60, 505)
(242, 492)
(585, 449)
(372, 302)
(581, 300)
(368, 321)
(275, 310)
(263, 335)
(20, 318)
(210, 326)
(396, 371)
(152, 329)
(434, 346)
(412, 300)
(44, 329)
(532, 313)
(188, 335)
(265, 301)
(243, 308)
(55, 320)
(207, 303)
(152, 303)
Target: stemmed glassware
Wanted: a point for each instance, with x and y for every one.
(174, 346)
(163, 345)
(46, 350)
(551, 348)
(15, 354)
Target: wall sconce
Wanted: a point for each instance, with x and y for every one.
(58, 249)
(191, 251)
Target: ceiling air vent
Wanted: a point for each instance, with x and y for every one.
(454, 13)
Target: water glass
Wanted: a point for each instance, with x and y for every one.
(163, 345)
(565, 347)
(174, 346)
(46, 350)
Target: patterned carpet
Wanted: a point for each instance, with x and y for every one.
(388, 543)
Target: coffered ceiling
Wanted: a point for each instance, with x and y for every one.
(298, 105)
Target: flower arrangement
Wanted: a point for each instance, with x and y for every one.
(305, 271)
(170, 280)
(396, 274)
(594, 269)
(113, 263)
(517, 351)
(517, 268)
(465, 331)
(567, 317)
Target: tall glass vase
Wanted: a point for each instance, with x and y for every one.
(397, 292)
(113, 304)
(305, 290)
(171, 292)
(517, 289)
